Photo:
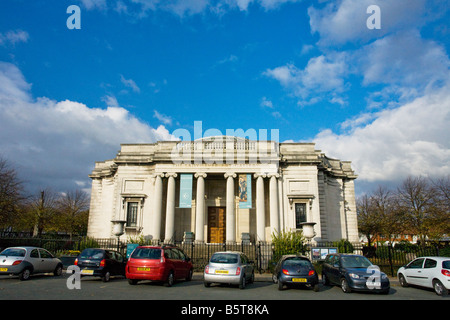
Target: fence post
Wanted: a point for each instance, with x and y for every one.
(390, 259)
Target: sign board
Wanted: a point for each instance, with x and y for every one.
(130, 248)
(321, 253)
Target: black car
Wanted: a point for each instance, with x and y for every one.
(295, 270)
(354, 272)
(101, 263)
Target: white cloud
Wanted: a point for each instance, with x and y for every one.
(166, 120)
(57, 142)
(94, 4)
(13, 37)
(322, 74)
(412, 139)
(130, 84)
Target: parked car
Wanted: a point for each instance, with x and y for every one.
(295, 270)
(428, 272)
(25, 261)
(229, 267)
(158, 263)
(354, 272)
(101, 263)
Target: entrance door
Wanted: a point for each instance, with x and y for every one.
(216, 224)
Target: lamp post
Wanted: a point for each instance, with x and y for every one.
(118, 230)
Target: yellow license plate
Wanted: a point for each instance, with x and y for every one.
(84, 271)
(143, 269)
(299, 280)
(222, 271)
(3, 269)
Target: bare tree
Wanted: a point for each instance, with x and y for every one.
(73, 211)
(368, 222)
(11, 193)
(41, 209)
(416, 198)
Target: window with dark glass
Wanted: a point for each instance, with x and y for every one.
(132, 213)
(300, 214)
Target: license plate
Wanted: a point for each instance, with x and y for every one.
(143, 269)
(299, 280)
(84, 271)
(3, 269)
(222, 271)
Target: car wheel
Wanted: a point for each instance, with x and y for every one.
(316, 288)
(280, 285)
(106, 277)
(58, 271)
(274, 278)
(439, 288)
(242, 282)
(325, 280)
(170, 280)
(207, 284)
(344, 286)
(252, 278)
(132, 282)
(189, 277)
(25, 274)
(402, 280)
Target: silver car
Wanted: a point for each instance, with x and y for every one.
(25, 261)
(229, 267)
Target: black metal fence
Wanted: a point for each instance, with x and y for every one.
(389, 258)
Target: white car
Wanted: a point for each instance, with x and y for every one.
(429, 272)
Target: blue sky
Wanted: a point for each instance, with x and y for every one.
(137, 70)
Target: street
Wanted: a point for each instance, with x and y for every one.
(48, 287)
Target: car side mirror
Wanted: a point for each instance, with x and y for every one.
(336, 265)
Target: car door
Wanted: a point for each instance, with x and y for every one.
(48, 263)
(413, 271)
(333, 269)
(429, 270)
(35, 260)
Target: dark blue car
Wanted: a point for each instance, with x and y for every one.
(354, 273)
(295, 270)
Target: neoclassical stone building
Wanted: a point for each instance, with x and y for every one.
(222, 189)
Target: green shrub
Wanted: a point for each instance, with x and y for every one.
(344, 246)
(287, 243)
(88, 243)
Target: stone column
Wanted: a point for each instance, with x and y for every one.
(274, 216)
(231, 217)
(157, 205)
(170, 209)
(200, 208)
(260, 208)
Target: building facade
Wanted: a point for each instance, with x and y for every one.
(222, 189)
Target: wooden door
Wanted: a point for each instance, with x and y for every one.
(216, 224)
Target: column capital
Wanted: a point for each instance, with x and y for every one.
(230, 174)
(171, 174)
(275, 175)
(155, 175)
(260, 175)
(200, 174)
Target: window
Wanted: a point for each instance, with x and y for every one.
(300, 214)
(45, 254)
(416, 264)
(132, 213)
(146, 253)
(34, 254)
(430, 263)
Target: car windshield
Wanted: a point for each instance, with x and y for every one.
(224, 258)
(298, 262)
(92, 254)
(355, 262)
(13, 252)
(446, 264)
(146, 253)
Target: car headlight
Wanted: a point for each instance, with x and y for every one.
(355, 276)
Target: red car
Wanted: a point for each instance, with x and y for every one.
(158, 263)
